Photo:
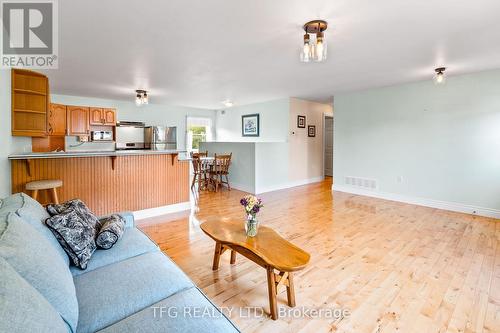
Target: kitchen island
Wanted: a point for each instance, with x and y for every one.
(149, 182)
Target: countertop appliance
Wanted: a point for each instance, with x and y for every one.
(102, 135)
(130, 135)
(160, 137)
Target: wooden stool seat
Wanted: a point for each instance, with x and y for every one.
(47, 184)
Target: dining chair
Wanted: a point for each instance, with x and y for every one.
(200, 170)
(199, 154)
(220, 171)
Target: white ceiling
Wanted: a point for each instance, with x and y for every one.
(199, 53)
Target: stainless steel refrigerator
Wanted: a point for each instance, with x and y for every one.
(160, 137)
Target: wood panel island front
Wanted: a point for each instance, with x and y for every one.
(108, 182)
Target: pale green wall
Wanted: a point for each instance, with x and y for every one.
(273, 122)
(443, 140)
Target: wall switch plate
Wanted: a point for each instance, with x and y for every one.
(400, 179)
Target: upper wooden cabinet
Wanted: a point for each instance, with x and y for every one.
(101, 116)
(110, 117)
(57, 120)
(78, 120)
(30, 103)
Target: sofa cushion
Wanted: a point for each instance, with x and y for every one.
(23, 308)
(76, 236)
(156, 318)
(111, 293)
(32, 256)
(9, 205)
(131, 244)
(111, 230)
(32, 212)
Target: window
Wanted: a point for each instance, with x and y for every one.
(198, 129)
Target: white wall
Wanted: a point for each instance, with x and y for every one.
(306, 153)
(444, 141)
(151, 114)
(273, 122)
(8, 143)
(282, 159)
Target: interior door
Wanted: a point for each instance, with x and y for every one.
(329, 146)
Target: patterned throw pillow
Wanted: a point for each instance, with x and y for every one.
(111, 230)
(76, 236)
(79, 207)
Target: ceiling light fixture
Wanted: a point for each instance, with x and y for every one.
(439, 77)
(227, 103)
(314, 49)
(141, 98)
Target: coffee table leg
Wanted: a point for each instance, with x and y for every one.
(290, 291)
(218, 248)
(233, 256)
(271, 286)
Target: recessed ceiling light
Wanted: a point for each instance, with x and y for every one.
(227, 103)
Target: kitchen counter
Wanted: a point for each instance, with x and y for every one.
(109, 181)
(182, 154)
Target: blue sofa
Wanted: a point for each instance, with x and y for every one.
(132, 287)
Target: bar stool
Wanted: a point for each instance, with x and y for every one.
(40, 185)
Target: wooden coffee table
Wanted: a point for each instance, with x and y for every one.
(267, 249)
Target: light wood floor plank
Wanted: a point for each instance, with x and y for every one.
(396, 267)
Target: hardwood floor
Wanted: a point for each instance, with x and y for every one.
(396, 267)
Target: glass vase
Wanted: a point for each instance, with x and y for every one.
(251, 227)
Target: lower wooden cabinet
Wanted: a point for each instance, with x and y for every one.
(78, 120)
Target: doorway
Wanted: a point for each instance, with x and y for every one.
(328, 146)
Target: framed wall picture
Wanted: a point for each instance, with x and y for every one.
(301, 121)
(311, 131)
(250, 125)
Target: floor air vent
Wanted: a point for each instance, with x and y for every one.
(361, 182)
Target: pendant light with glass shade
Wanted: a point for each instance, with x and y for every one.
(439, 77)
(314, 43)
(141, 97)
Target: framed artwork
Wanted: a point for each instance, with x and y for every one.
(250, 125)
(301, 121)
(311, 131)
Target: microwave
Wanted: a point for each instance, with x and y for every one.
(102, 135)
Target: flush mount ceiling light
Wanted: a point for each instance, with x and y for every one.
(314, 49)
(141, 97)
(439, 77)
(227, 103)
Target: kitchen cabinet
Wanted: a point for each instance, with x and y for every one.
(96, 116)
(30, 103)
(78, 120)
(110, 117)
(102, 116)
(57, 120)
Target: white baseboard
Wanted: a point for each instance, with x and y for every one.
(241, 187)
(445, 205)
(152, 212)
(265, 189)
